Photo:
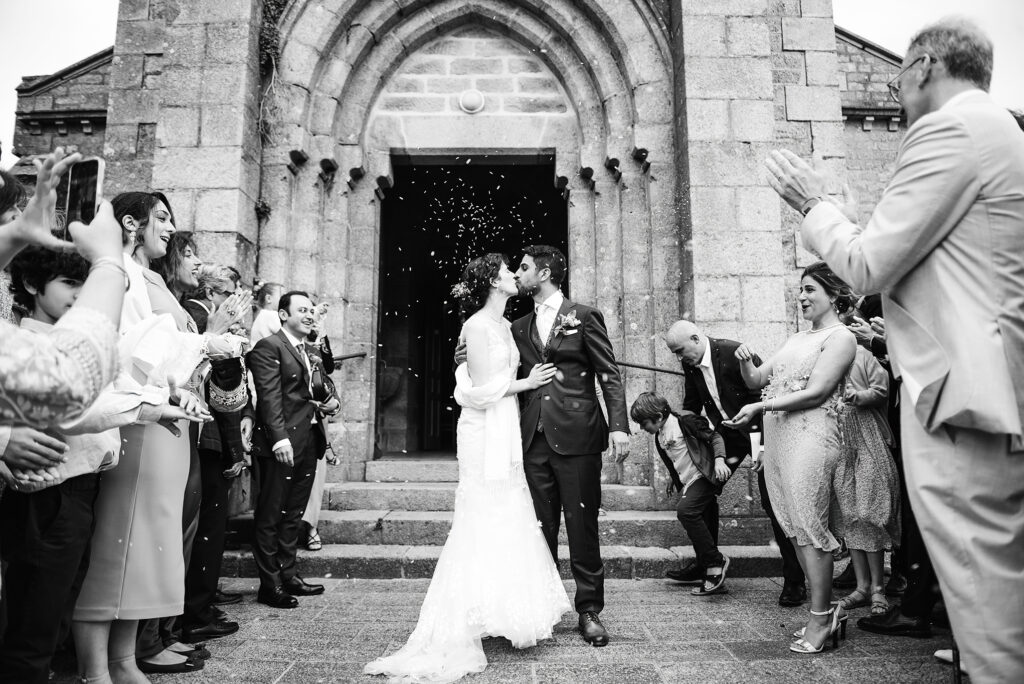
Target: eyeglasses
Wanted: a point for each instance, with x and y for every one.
(894, 84)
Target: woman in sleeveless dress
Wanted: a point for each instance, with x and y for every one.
(803, 446)
(495, 575)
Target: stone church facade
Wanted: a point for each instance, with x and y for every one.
(275, 128)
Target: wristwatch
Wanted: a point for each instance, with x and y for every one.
(809, 204)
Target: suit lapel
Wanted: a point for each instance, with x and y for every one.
(295, 353)
(555, 340)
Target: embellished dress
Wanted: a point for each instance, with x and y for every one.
(495, 575)
(869, 489)
(804, 449)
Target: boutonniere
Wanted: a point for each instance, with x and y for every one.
(567, 324)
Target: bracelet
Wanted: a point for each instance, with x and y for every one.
(109, 262)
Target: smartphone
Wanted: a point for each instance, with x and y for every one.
(81, 189)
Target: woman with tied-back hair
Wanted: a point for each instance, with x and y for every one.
(136, 567)
(802, 390)
(495, 575)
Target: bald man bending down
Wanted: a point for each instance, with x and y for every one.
(714, 385)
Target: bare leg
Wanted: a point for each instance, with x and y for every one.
(91, 639)
(876, 562)
(817, 566)
(123, 669)
(862, 570)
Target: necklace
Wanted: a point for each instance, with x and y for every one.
(827, 327)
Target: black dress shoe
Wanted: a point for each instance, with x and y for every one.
(592, 630)
(691, 573)
(276, 598)
(793, 594)
(212, 630)
(223, 598)
(895, 623)
(297, 586)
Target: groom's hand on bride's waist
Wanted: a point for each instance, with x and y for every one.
(460, 354)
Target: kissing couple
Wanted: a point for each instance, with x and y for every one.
(519, 469)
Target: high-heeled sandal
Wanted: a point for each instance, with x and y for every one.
(855, 599)
(843, 619)
(313, 542)
(805, 647)
(879, 604)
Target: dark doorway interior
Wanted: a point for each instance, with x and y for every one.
(441, 213)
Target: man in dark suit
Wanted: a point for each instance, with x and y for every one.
(563, 428)
(290, 437)
(714, 385)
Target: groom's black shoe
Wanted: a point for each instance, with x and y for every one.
(691, 573)
(297, 586)
(592, 630)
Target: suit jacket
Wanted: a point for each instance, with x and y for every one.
(732, 392)
(283, 408)
(703, 444)
(945, 247)
(568, 405)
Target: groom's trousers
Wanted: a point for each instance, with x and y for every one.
(572, 484)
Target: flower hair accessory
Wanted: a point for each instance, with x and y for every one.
(460, 290)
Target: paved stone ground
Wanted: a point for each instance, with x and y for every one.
(660, 634)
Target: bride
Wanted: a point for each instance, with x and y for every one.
(495, 575)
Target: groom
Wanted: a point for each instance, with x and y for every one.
(564, 430)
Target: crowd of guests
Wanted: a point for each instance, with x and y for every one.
(828, 479)
(126, 414)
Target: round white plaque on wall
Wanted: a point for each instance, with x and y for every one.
(471, 101)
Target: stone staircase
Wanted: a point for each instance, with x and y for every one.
(394, 525)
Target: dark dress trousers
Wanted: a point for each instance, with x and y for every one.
(564, 433)
(734, 395)
(283, 410)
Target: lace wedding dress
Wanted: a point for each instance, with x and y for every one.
(495, 575)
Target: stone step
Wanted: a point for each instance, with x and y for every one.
(440, 496)
(413, 470)
(626, 528)
(409, 562)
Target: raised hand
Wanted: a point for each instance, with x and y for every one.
(36, 223)
(793, 178)
(861, 329)
(230, 312)
(100, 239)
(744, 355)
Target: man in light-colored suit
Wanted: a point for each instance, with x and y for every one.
(945, 246)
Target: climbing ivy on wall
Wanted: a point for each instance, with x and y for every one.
(270, 36)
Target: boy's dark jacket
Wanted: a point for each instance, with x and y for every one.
(704, 445)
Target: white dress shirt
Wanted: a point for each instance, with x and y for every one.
(709, 377)
(546, 313)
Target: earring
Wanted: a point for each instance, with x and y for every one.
(132, 236)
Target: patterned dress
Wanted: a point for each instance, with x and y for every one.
(803, 449)
(869, 486)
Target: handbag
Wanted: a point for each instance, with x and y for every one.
(321, 385)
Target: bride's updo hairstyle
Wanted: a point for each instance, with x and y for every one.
(833, 285)
(475, 286)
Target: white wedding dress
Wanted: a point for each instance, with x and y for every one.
(495, 575)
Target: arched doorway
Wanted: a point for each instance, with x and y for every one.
(363, 84)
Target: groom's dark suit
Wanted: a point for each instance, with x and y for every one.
(564, 433)
(734, 395)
